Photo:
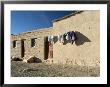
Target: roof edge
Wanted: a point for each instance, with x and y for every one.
(39, 29)
(77, 12)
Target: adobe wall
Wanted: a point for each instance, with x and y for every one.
(15, 52)
(37, 51)
(85, 51)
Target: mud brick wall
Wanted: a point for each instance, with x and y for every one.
(37, 50)
(16, 51)
(86, 49)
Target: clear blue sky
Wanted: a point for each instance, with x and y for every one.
(22, 21)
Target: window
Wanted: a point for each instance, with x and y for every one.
(14, 44)
(33, 42)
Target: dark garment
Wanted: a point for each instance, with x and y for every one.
(72, 34)
(72, 37)
(64, 36)
(69, 35)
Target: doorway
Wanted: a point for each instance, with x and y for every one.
(22, 48)
(50, 53)
(48, 49)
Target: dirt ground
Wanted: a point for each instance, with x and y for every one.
(21, 69)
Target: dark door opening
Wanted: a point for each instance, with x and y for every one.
(22, 48)
(46, 48)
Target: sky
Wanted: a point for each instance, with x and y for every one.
(23, 21)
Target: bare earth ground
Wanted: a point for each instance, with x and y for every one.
(21, 69)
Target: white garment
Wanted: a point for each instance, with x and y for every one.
(61, 38)
(67, 37)
(58, 37)
(73, 37)
(49, 38)
(52, 38)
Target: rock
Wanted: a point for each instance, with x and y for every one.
(16, 59)
(32, 60)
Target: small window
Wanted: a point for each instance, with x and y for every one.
(14, 44)
(33, 42)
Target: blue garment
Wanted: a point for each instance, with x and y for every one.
(69, 35)
(72, 37)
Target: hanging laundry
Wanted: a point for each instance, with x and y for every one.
(68, 36)
(72, 37)
(59, 37)
(62, 39)
(52, 38)
(49, 38)
(64, 36)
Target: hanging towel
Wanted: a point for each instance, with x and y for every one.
(52, 38)
(59, 37)
(69, 35)
(62, 39)
(64, 36)
(49, 38)
(72, 37)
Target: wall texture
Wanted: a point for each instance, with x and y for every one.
(85, 50)
(37, 50)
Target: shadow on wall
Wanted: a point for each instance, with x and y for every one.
(81, 39)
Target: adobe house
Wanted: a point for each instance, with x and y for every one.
(85, 51)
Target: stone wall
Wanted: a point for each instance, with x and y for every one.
(16, 51)
(37, 50)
